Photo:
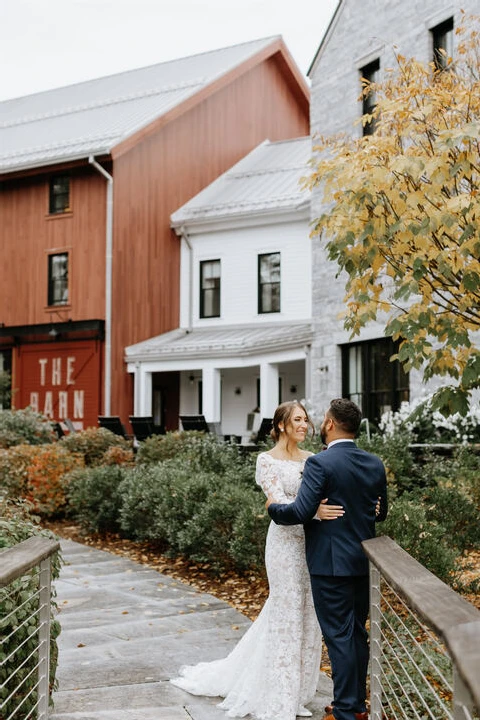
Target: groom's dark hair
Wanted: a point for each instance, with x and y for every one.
(346, 414)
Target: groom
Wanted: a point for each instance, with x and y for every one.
(338, 567)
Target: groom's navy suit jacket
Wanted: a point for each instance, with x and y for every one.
(346, 476)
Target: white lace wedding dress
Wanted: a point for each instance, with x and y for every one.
(274, 668)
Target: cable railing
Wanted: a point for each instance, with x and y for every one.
(424, 641)
(25, 626)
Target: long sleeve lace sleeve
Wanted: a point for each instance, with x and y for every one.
(268, 477)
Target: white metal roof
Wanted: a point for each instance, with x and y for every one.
(92, 117)
(226, 341)
(268, 178)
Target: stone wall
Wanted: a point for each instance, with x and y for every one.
(362, 31)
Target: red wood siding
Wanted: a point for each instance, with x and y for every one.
(28, 233)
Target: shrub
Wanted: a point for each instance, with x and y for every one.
(24, 426)
(36, 473)
(14, 465)
(163, 447)
(183, 493)
(398, 460)
(246, 546)
(18, 605)
(202, 452)
(94, 499)
(451, 508)
(145, 491)
(46, 473)
(201, 515)
(93, 443)
(429, 426)
(205, 535)
(423, 538)
(116, 455)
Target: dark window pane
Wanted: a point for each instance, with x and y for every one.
(269, 283)
(442, 43)
(59, 194)
(210, 288)
(58, 279)
(370, 73)
(371, 380)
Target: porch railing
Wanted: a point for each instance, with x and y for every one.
(424, 641)
(25, 611)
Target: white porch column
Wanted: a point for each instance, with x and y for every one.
(211, 394)
(145, 392)
(268, 389)
(136, 389)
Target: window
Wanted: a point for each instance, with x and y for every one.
(269, 283)
(59, 194)
(210, 288)
(369, 73)
(442, 36)
(58, 279)
(371, 380)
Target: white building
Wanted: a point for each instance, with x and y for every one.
(245, 313)
(361, 41)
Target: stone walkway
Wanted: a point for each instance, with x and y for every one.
(126, 629)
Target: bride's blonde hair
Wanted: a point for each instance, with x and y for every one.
(282, 415)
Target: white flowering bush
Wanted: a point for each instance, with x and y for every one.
(426, 425)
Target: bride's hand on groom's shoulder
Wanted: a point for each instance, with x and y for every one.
(329, 512)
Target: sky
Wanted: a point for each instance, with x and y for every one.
(51, 43)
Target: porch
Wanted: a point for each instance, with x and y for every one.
(233, 376)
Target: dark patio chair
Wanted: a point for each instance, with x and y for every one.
(264, 430)
(144, 427)
(114, 424)
(194, 422)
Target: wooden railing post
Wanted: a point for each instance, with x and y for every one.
(44, 638)
(375, 645)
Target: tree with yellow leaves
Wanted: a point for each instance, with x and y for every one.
(402, 216)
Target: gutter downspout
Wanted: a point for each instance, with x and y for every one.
(108, 285)
(184, 235)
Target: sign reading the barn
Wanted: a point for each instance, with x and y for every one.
(62, 381)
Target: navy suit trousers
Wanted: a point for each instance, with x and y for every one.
(341, 605)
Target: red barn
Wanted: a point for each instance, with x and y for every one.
(89, 176)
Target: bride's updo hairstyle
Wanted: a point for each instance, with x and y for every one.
(282, 416)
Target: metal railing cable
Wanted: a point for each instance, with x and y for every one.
(424, 641)
(25, 616)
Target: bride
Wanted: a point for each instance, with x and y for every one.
(272, 672)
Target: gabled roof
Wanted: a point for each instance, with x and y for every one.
(226, 341)
(327, 34)
(265, 180)
(93, 117)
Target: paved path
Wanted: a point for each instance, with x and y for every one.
(126, 629)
